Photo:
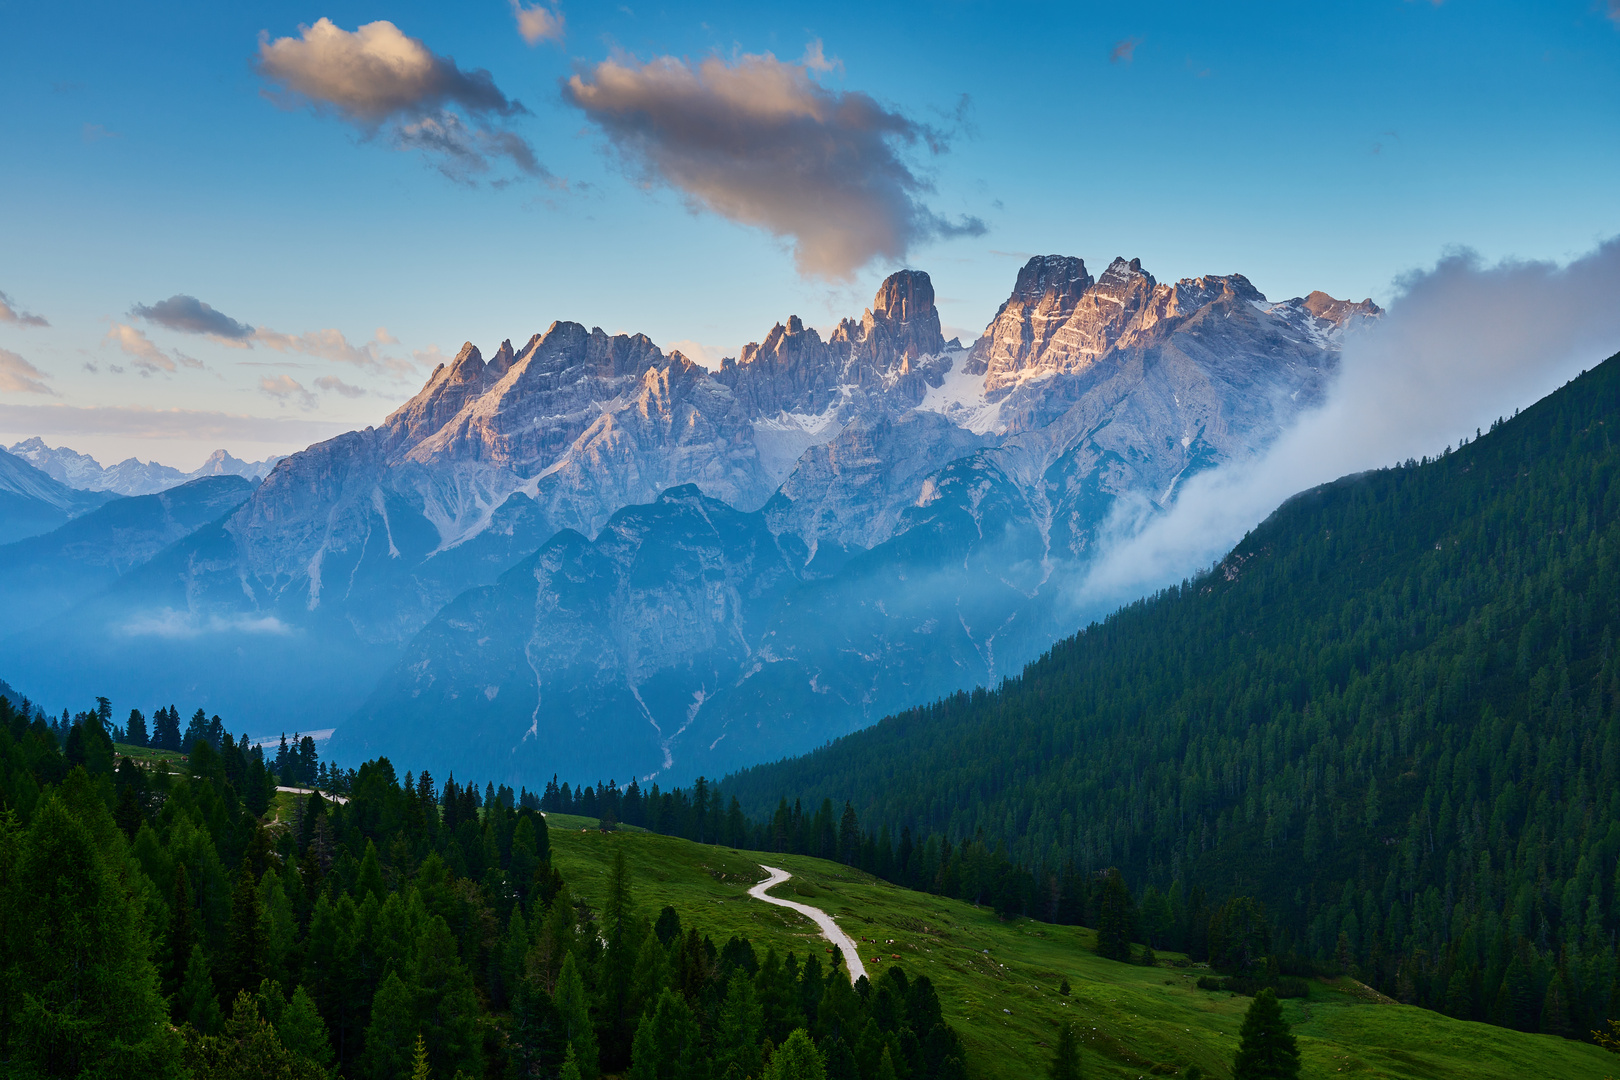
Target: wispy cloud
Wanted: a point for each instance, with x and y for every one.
(189, 315)
(12, 314)
(537, 23)
(1124, 51)
(285, 389)
(334, 385)
(759, 141)
(1614, 12)
(145, 356)
(332, 345)
(134, 422)
(18, 376)
(381, 80)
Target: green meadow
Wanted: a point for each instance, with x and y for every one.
(999, 981)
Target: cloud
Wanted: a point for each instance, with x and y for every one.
(188, 315)
(333, 384)
(760, 142)
(538, 24)
(169, 623)
(332, 345)
(96, 132)
(1614, 12)
(10, 313)
(1463, 344)
(382, 81)
(1124, 51)
(148, 358)
(18, 376)
(135, 422)
(285, 389)
(430, 357)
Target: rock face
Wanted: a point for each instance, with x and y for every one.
(587, 536)
(934, 504)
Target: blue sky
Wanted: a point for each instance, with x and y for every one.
(157, 150)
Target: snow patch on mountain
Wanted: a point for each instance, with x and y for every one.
(960, 398)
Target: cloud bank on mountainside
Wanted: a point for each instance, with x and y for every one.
(1463, 344)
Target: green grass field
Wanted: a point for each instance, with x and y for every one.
(999, 981)
(146, 755)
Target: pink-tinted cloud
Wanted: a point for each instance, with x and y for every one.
(381, 80)
(18, 376)
(1124, 51)
(537, 23)
(145, 356)
(759, 141)
(15, 316)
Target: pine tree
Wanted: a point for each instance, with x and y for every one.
(1267, 1050)
(77, 988)
(196, 1004)
(575, 1016)
(391, 1031)
(247, 942)
(166, 729)
(1066, 1059)
(668, 1042)
(740, 1031)
(1114, 919)
(135, 729)
(797, 1059)
(303, 1031)
(419, 1061)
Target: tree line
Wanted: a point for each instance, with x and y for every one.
(1390, 717)
(160, 921)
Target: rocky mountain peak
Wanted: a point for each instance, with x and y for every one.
(1338, 312)
(501, 362)
(1062, 277)
(904, 296)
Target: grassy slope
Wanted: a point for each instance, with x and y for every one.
(1137, 1021)
(144, 755)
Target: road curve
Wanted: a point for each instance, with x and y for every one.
(829, 929)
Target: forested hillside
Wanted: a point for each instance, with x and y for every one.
(191, 921)
(1391, 714)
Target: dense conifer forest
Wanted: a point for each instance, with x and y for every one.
(181, 918)
(1388, 721)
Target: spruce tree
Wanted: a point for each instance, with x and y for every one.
(303, 1031)
(247, 942)
(1114, 919)
(574, 1013)
(1267, 1050)
(78, 992)
(797, 1059)
(668, 1042)
(1066, 1058)
(419, 1061)
(135, 729)
(196, 1004)
(392, 1031)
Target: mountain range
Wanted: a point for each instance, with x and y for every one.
(586, 553)
(130, 476)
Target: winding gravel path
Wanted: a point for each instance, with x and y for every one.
(829, 929)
